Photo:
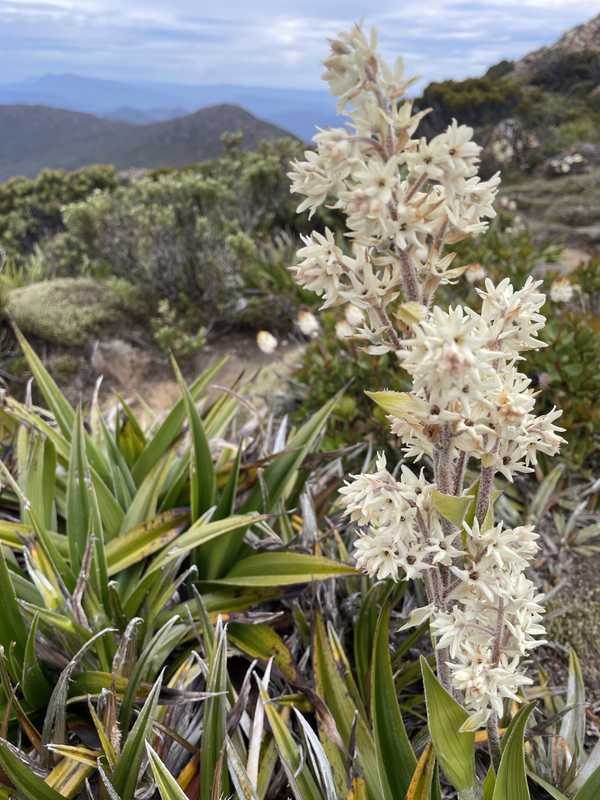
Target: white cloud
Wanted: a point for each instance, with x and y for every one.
(268, 42)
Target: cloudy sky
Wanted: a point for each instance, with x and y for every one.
(267, 42)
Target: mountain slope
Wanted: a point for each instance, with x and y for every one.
(35, 137)
(584, 38)
(297, 110)
(533, 112)
(191, 138)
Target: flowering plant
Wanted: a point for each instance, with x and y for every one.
(405, 199)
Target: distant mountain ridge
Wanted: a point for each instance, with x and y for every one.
(296, 110)
(35, 137)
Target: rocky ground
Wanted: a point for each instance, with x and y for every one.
(144, 376)
(564, 209)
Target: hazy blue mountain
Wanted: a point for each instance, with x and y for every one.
(34, 137)
(296, 110)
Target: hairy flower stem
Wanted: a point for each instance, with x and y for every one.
(442, 655)
(443, 462)
(443, 471)
(492, 723)
(486, 483)
(459, 472)
(493, 734)
(410, 282)
(443, 476)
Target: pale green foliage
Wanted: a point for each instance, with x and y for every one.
(105, 528)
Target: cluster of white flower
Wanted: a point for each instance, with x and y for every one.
(492, 618)
(405, 199)
(399, 522)
(484, 611)
(466, 385)
(573, 162)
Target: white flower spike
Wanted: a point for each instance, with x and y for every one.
(405, 199)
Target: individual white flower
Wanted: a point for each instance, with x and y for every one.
(336, 146)
(343, 330)
(354, 316)
(513, 315)
(378, 179)
(308, 323)
(321, 268)
(462, 151)
(561, 290)
(374, 498)
(475, 273)
(444, 549)
(377, 554)
(313, 179)
(428, 160)
(266, 342)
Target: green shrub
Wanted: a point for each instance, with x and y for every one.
(170, 332)
(31, 209)
(567, 370)
(211, 239)
(500, 70)
(568, 72)
(475, 101)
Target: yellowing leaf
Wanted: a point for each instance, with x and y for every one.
(451, 507)
(398, 404)
(420, 785)
(411, 313)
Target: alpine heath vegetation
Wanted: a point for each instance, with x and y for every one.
(405, 200)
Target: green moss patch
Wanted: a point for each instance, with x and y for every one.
(67, 311)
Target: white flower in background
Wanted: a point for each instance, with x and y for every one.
(507, 204)
(561, 290)
(405, 199)
(354, 316)
(308, 323)
(343, 330)
(475, 273)
(503, 150)
(266, 342)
